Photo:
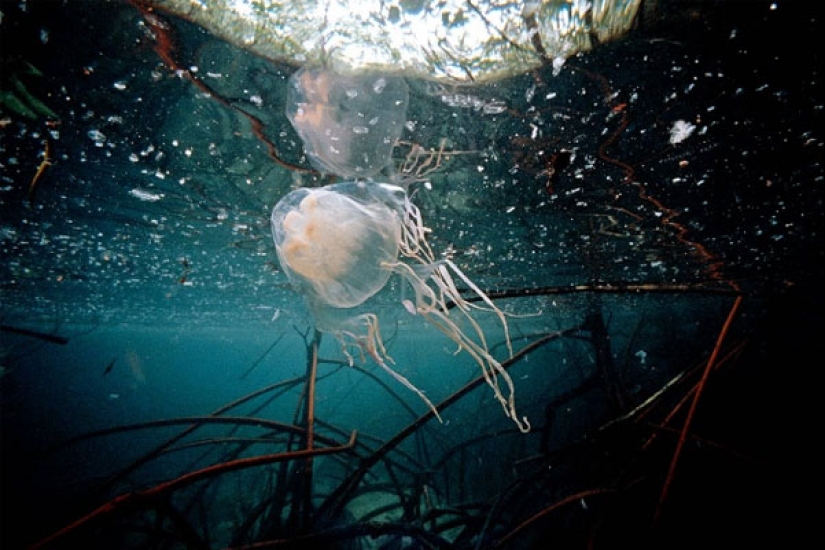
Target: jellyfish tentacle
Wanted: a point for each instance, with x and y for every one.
(414, 243)
(433, 307)
(409, 385)
(486, 299)
(374, 347)
(491, 369)
(414, 246)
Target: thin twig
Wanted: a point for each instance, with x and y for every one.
(580, 496)
(138, 499)
(697, 394)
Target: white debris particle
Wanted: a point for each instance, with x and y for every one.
(680, 131)
(119, 85)
(558, 63)
(144, 195)
(97, 136)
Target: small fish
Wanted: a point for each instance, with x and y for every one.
(109, 367)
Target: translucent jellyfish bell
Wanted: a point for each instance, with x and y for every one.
(348, 123)
(340, 244)
(335, 245)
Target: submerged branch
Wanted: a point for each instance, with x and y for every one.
(342, 493)
(691, 411)
(140, 499)
(53, 338)
(606, 288)
(196, 420)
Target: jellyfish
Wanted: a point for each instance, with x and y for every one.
(349, 123)
(340, 244)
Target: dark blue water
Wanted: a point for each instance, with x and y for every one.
(149, 333)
